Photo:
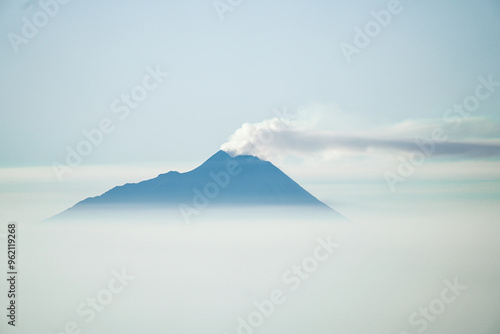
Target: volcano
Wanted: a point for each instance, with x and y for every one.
(223, 181)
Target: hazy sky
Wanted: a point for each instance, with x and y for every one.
(224, 72)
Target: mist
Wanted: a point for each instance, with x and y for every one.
(208, 276)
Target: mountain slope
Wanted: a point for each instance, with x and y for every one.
(221, 181)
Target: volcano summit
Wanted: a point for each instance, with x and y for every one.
(241, 182)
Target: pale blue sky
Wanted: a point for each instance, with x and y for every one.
(224, 73)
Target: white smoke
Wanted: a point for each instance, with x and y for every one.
(269, 139)
(257, 138)
(325, 132)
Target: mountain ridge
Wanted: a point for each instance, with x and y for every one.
(220, 181)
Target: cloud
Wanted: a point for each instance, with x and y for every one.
(305, 135)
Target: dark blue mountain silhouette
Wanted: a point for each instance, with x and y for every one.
(220, 181)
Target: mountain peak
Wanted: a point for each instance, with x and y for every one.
(225, 156)
(220, 155)
(221, 181)
(222, 161)
(217, 158)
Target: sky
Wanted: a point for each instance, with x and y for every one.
(161, 86)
